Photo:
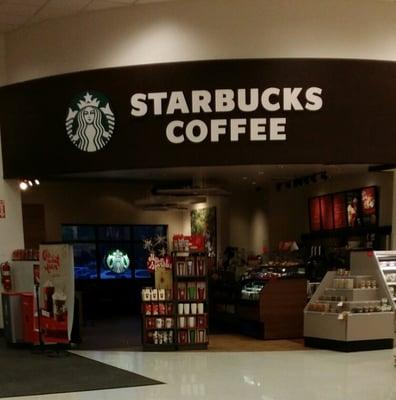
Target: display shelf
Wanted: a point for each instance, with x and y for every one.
(345, 324)
(190, 288)
(383, 259)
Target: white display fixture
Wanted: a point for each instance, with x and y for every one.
(387, 263)
(352, 310)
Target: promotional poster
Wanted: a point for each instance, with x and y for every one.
(56, 292)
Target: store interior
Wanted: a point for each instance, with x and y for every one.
(260, 226)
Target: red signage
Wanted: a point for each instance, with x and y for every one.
(314, 213)
(340, 220)
(326, 212)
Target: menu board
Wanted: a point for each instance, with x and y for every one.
(339, 211)
(326, 212)
(314, 214)
(353, 201)
(350, 209)
(369, 205)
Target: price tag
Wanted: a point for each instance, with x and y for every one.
(340, 316)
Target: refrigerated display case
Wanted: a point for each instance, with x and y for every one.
(352, 310)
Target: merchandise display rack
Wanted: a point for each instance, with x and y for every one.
(158, 323)
(387, 263)
(190, 282)
(351, 310)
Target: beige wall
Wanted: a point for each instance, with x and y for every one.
(97, 203)
(11, 230)
(241, 217)
(242, 220)
(201, 30)
(288, 216)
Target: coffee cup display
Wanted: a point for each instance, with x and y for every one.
(200, 308)
(182, 322)
(186, 308)
(59, 303)
(191, 322)
(168, 323)
(194, 308)
(180, 308)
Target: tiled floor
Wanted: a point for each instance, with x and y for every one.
(286, 375)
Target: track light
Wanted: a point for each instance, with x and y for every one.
(23, 185)
(37, 182)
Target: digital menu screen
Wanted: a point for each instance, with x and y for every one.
(369, 205)
(339, 211)
(314, 214)
(326, 212)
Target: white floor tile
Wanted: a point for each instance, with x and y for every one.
(286, 375)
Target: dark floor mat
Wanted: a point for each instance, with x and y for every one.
(26, 374)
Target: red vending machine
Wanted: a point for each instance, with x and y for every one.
(29, 334)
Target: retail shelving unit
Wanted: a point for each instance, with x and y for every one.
(156, 335)
(351, 311)
(387, 264)
(191, 300)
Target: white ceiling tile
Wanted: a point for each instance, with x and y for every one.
(13, 19)
(67, 4)
(17, 9)
(152, 1)
(104, 4)
(29, 3)
(7, 27)
(37, 3)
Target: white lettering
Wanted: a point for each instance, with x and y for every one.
(254, 100)
(157, 100)
(314, 99)
(177, 102)
(257, 129)
(202, 129)
(265, 99)
(238, 126)
(170, 132)
(277, 127)
(139, 107)
(224, 100)
(290, 99)
(201, 101)
(217, 128)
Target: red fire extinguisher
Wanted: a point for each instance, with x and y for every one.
(5, 270)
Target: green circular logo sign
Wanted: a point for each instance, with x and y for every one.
(90, 121)
(117, 261)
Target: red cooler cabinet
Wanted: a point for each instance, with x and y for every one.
(29, 335)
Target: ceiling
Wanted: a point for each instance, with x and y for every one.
(229, 176)
(17, 13)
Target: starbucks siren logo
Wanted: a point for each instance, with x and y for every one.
(90, 121)
(117, 261)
